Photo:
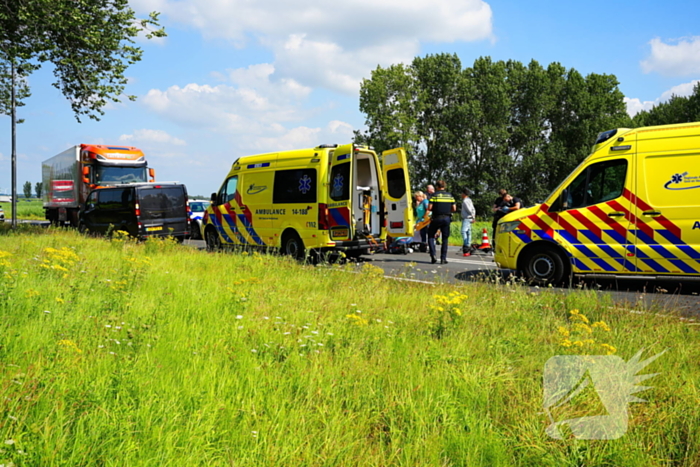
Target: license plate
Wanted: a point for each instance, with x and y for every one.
(154, 229)
(340, 233)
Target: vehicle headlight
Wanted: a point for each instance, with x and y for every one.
(506, 227)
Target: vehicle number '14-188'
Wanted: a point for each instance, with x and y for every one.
(300, 212)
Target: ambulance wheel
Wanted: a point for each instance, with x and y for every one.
(293, 246)
(212, 239)
(544, 266)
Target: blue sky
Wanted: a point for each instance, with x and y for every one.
(237, 77)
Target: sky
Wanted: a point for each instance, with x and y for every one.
(240, 77)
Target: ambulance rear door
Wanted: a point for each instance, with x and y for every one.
(397, 187)
(340, 192)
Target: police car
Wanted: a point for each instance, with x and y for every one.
(197, 208)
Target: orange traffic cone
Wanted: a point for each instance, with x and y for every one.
(485, 240)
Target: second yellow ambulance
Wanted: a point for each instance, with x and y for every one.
(328, 198)
(631, 209)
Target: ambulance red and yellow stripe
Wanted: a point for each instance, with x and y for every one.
(597, 242)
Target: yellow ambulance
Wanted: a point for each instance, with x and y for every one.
(328, 198)
(631, 209)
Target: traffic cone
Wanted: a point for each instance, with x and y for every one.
(485, 240)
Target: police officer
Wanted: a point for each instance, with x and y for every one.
(442, 205)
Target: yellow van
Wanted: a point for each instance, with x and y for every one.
(326, 198)
(631, 209)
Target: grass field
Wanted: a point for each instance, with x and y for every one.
(114, 353)
(31, 209)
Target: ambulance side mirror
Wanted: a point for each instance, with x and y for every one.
(213, 198)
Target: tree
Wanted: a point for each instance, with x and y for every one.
(27, 189)
(678, 109)
(39, 189)
(490, 126)
(89, 43)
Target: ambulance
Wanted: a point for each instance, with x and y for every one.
(631, 209)
(325, 199)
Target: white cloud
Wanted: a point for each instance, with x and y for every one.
(304, 137)
(332, 44)
(679, 59)
(635, 105)
(328, 65)
(249, 111)
(362, 22)
(152, 136)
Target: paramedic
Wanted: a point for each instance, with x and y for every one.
(468, 216)
(442, 205)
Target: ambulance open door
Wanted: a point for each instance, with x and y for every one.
(397, 194)
(340, 193)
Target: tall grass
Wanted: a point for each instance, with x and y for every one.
(117, 353)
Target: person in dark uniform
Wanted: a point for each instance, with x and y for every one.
(442, 205)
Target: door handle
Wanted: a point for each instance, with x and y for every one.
(616, 214)
(651, 213)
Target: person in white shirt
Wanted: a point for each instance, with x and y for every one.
(468, 217)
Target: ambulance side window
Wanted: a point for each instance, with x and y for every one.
(600, 182)
(228, 191)
(294, 186)
(340, 182)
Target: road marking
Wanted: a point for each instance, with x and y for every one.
(473, 261)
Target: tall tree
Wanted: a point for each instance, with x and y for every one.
(39, 189)
(89, 42)
(493, 125)
(27, 188)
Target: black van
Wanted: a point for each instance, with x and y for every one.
(141, 209)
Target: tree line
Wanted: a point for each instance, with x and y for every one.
(496, 124)
(678, 109)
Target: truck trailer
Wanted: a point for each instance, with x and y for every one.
(70, 175)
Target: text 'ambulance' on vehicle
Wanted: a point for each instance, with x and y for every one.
(328, 198)
(631, 209)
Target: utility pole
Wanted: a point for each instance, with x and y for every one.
(14, 149)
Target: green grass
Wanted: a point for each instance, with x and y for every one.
(30, 209)
(120, 353)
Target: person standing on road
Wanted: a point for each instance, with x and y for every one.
(468, 216)
(429, 191)
(442, 205)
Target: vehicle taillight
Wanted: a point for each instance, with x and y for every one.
(323, 223)
(137, 208)
(396, 225)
